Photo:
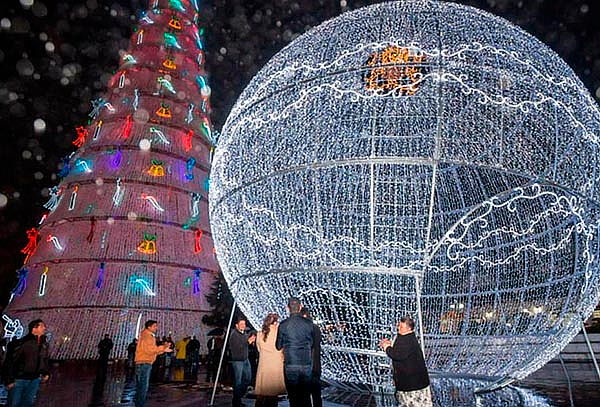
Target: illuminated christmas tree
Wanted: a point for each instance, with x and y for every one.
(126, 237)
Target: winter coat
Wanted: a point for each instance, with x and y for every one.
(296, 337)
(410, 372)
(269, 376)
(27, 358)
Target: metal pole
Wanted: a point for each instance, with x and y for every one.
(419, 314)
(562, 363)
(212, 399)
(589, 345)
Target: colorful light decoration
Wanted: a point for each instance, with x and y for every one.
(100, 279)
(417, 196)
(54, 240)
(84, 165)
(94, 209)
(32, 241)
(66, 166)
(12, 328)
(157, 169)
(140, 37)
(177, 5)
(189, 168)
(169, 63)
(197, 243)
(143, 284)
(171, 40)
(136, 99)
(187, 140)
(97, 130)
(43, 280)
(73, 198)
(82, 133)
(129, 59)
(196, 283)
(127, 126)
(175, 23)
(117, 197)
(153, 202)
(203, 87)
(164, 111)
(198, 40)
(161, 136)
(206, 129)
(190, 113)
(165, 83)
(148, 245)
(54, 200)
(21, 284)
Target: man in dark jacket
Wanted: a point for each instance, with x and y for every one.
(296, 336)
(104, 348)
(315, 384)
(192, 354)
(239, 340)
(26, 365)
(410, 373)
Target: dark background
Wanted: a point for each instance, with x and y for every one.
(55, 56)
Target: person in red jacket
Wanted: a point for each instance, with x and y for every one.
(410, 373)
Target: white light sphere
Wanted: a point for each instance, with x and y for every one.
(415, 158)
(145, 144)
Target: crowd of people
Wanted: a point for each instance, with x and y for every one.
(288, 354)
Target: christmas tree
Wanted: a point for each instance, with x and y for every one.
(126, 237)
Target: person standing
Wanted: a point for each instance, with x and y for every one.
(26, 366)
(145, 355)
(239, 340)
(269, 376)
(215, 347)
(104, 348)
(296, 336)
(192, 351)
(315, 382)
(410, 372)
(131, 355)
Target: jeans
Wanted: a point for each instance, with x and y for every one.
(242, 375)
(315, 390)
(142, 380)
(23, 393)
(298, 383)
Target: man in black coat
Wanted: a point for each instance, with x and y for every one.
(315, 384)
(26, 365)
(239, 340)
(296, 336)
(410, 373)
(104, 348)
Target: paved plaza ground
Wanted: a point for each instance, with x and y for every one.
(75, 384)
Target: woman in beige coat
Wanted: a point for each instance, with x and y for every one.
(269, 377)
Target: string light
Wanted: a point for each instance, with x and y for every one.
(165, 83)
(161, 136)
(403, 181)
(12, 328)
(136, 99)
(84, 165)
(197, 238)
(116, 160)
(177, 5)
(73, 198)
(189, 168)
(129, 59)
(122, 80)
(54, 240)
(148, 245)
(144, 284)
(157, 169)
(145, 18)
(196, 282)
(54, 200)
(169, 63)
(81, 135)
(171, 41)
(187, 140)
(97, 130)
(140, 37)
(175, 23)
(190, 113)
(31, 247)
(164, 111)
(100, 279)
(43, 218)
(98, 105)
(43, 279)
(153, 202)
(127, 126)
(117, 197)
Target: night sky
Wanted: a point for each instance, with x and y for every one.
(55, 56)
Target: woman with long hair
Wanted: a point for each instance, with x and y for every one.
(269, 377)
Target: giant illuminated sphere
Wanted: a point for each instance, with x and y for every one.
(420, 158)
